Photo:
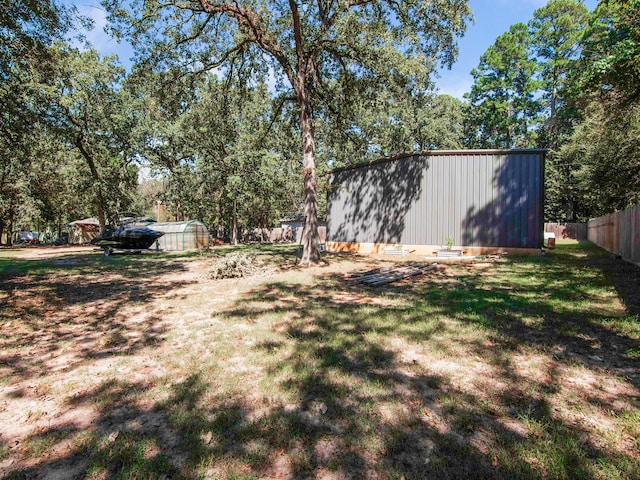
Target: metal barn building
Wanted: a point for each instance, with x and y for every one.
(480, 200)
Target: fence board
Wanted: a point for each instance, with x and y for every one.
(618, 232)
(573, 231)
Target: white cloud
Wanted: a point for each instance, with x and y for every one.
(97, 35)
(455, 85)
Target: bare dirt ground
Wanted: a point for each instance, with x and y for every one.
(143, 368)
(63, 333)
(72, 341)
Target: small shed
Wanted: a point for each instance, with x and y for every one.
(84, 231)
(180, 236)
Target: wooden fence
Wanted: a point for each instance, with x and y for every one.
(573, 231)
(276, 235)
(618, 233)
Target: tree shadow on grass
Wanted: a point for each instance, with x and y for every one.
(77, 310)
(184, 438)
(363, 399)
(624, 276)
(547, 307)
(124, 441)
(332, 360)
(376, 408)
(565, 307)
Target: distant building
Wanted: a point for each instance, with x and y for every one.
(296, 224)
(83, 231)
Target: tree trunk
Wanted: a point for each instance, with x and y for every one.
(102, 217)
(302, 83)
(179, 213)
(10, 232)
(553, 114)
(310, 236)
(234, 226)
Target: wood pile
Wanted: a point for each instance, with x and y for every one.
(384, 276)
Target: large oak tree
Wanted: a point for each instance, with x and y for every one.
(87, 110)
(310, 46)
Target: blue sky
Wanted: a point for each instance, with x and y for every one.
(492, 18)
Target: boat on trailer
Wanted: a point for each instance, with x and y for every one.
(131, 235)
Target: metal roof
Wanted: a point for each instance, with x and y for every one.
(433, 153)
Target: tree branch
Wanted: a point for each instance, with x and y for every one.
(252, 22)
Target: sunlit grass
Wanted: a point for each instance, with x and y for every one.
(518, 369)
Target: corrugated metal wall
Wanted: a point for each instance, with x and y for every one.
(478, 198)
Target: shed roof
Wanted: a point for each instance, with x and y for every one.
(85, 221)
(175, 227)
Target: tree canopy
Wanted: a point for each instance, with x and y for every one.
(27, 30)
(314, 48)
(502, 103)
(605, 145)
(234, 112)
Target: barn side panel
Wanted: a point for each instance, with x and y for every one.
(476, 198)
(370, 205)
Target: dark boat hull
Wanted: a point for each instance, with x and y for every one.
(129, 238)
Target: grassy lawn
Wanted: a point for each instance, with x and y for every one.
(142, 367)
